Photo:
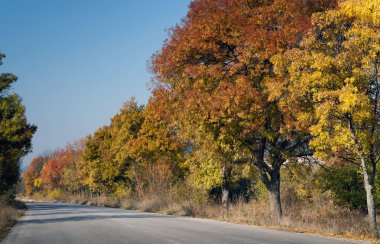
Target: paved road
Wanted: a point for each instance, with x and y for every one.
(68, 223)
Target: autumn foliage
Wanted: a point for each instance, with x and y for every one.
(244, 92)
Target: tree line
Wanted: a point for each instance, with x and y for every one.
(242, 89)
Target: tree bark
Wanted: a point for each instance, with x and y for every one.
(368, 185)
(226, 172)
(270, 176)
(225, 196)
(274, 195)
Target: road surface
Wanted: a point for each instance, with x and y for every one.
(69, 223)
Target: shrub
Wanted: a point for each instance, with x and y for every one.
(346, 186)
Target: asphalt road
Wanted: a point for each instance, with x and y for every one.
(68, 223)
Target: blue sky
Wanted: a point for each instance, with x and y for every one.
(78, 61)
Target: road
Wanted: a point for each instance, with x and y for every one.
(69, 223)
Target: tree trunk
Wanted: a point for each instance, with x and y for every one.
(271, 179)
(368, 185)
(225, 196)
(226, 172)
(273, 188)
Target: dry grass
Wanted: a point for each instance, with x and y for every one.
(325, 219)
(319, 217)
(8, 217)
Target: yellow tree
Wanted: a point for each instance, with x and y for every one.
(331, 85)
(107, 156)
(95, 156)
(124, 128)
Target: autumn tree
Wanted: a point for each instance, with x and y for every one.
(216, 64)
(124, 129)
(32, 174)
(157, 149)
(107, 154)
(71, 180)
(94, 155)
(15, 132)
(52, 172)
(331, 84)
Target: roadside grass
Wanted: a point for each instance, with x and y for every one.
(320, 216)
(9, 213)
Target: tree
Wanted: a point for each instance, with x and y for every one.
(333, 81)
(157, 146)
(107, 154)
(32, 174)
(52, 171)
(15, 132)
(71, 180)
(216, 64)
(124, 129)
(94, 156)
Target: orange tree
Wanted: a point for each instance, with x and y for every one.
(52, 171)
(216, 64)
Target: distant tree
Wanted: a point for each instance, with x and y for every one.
(32, 174)
(15, 132)
(71, 180)
(52, 171)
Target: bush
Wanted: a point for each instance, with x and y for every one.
(346, 186)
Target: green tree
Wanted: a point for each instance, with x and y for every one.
(15, 132)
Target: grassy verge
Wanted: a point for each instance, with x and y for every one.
(9, 213)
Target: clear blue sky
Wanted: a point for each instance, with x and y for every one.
(79, 60)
